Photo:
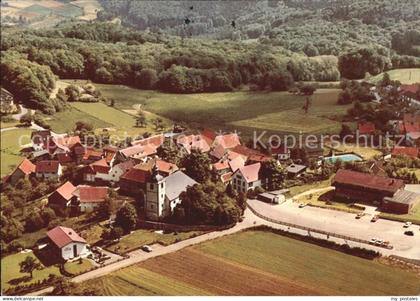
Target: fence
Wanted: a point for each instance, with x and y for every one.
(315, 230)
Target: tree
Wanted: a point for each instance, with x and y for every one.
(29, 265)
(306, 89)
(26, 119)
(126, 218)
(197, 165)
(146, 79)
(272, 174)
(345, 131)
(140, 119)
(116, 233)
(158, 123)
(168, 152)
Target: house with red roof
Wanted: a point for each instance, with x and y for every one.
(48, 169)
(90, 197)
(366, 128)
(133, 182)
(67, 244)
(363, 187)
(24, 170)
(411, 93)
(62, 197)
(412, 152)
(40, 139)
(187, 143)
(247, 177)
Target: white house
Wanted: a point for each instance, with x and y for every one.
(90, 197)
(162, 193)
(48, 169)
(247, 177)
(68, 243)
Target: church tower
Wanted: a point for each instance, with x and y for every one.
(155, 196)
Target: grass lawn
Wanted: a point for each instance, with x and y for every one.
(120, 122)
(259, 263)
(10, 149)
(314, 199)
(10, 271)
(147, 237)
(405, 76)
(77, 268)
(8, 123)
(244, 110)
(295, 190)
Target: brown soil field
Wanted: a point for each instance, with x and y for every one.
(223, 277)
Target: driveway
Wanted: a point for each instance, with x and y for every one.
(344, 223)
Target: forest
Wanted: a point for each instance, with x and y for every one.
(247, 44)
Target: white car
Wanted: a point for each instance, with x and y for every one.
(407, 224)
(147, 248)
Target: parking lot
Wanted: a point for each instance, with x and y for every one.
(344, 223)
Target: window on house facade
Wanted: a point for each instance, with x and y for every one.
(151, 186)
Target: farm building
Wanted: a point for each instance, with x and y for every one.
(67, 243)
(247, 177)
(362, 187)
(48, 169)
(62, 197)
(401, 203)
(274, 197)
(88, 197)
(22, 171)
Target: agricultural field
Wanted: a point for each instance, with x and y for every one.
(279, 112)
(405, 76)
(11, 275)
(10, 150)
(148, 237)
(259, 263)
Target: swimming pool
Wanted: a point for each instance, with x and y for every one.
(343, 158)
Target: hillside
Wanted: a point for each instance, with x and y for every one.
(312, 27)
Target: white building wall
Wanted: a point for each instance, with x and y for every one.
(88, 207)
(67, 252)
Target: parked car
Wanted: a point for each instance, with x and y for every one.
(407, 224)
(359, 215)
(409, 233)
(372, 241)
(374, 218)
(302, 205)
(147, 248)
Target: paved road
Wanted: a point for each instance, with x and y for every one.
(345, 224)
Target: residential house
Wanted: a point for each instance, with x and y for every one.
(162, 193)
(48, 169)
(246, 177)
(187, 143)
(67, 243)
(24, 170)
(90, 197)
(411, 94)
(366, 128)
(133, 182)
(62, 197)
(40, 139)
(295, 170)
(91, 155)
(98, 170)
(7, 104)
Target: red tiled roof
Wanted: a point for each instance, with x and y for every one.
(222, 164)
(64, 158)
(412, 152)
(365, 180)
(194, 141)
(139, 150)
(90, 152)
(226, 177)
(366, 128)
(166, 166)
(236, 163)
(410, 88)
(218, 152)
(26, 166)
(411, 123)
(227, 141)
(259, 158)
(245, 151)
(209, 135)
(91, 194)
(68, 141)
(153, 141)
(62, 236)
(47, 166)
(250, 172)
(66, 190)
(136, 175)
